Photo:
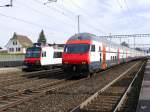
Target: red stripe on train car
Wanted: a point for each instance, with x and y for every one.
(32, 60)
(76, 58)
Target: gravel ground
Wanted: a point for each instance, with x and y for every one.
(69, 97)
(31, 83)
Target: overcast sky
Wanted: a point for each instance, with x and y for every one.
(59, 20)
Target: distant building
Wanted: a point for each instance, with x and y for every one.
(18, 44)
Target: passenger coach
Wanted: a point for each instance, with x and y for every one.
(40, 56)
(86, 52)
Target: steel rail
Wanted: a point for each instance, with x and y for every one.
(83, 104)
(128, 89)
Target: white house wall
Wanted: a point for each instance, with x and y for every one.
(10, 45)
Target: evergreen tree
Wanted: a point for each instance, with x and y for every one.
(125, 44)
(42, 38)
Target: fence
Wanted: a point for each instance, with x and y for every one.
(11, 60)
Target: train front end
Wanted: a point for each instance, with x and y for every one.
(76, 58)
(32, 58)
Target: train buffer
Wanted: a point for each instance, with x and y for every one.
(144, 98)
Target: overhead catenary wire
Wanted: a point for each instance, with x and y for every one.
(71, 18)
(129, 11)
(56, 10)
(97, 29)
(27, 22)
(46, 15)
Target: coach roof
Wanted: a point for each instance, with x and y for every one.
(82, 36)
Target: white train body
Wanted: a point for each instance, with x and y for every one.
(43, 56)
(87, 52)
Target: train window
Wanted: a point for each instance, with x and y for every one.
(99, 49)
(33, 52)
(57, 55)
(44, 54)
(93, 48)
(76, 48)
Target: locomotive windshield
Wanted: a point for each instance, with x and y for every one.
(77, 48)
(33, 52)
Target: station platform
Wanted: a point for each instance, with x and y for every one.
(144, 98)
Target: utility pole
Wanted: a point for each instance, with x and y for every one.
(11, 3)
(78, 24)
(120, 40)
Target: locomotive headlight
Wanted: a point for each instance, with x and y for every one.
(83, 62)
(37, 62)
(65, 62)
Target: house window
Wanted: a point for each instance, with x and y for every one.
(14, 42)
(12, 49)
(19, 49)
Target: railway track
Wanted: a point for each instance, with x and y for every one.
(13, 99)
(7, 81)
(29, 80)
(111, 97)
(65, 96)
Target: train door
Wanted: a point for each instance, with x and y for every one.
(44, 57)
(104, 65)
(100, 55)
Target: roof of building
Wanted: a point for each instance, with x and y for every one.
(23, 40)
